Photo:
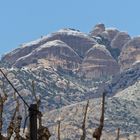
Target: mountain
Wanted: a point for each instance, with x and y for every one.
(71, 48)
(68, 68)
(78, 41)
(54, 53)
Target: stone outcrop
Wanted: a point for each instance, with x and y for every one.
(109, 34)
(98, 63)
(98, 29)
(71, 49)
(130, 54)
(106, 33)
(78, 41)
(53, 53)
(23, 50)
(120, 40)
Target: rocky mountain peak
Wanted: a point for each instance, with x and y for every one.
(98, 29)
(109, 33)
(53, 53)
(120, 40)
(130, 54)
(98, 63)
(74, 50)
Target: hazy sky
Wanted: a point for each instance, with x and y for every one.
(25, 20)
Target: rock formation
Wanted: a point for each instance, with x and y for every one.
(53, 53)
(120, 40)
(98, 63)
(98, 29)
(130, 54)
(109, 33)
(78, 41)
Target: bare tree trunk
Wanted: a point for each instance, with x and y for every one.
(84, 122)
(2, 101)
(11, 126)
(98, 131)
(118, 134)
(17, 128)
(1, 112)
(43, 132)
(58, 131)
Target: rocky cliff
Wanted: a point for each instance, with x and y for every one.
(130, 54)
(98, 63)
(70, 50)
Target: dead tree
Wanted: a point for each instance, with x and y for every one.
(17, 128)
(2, 101)
(43, 132)
(11, 125)
(84, 123)
(10, 129)
(58, 130)
(118, 134)
(17, 124)
(1, 112)
(98, 131)
(33, 90)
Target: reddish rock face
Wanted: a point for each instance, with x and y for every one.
(130, 54)
(98, 63)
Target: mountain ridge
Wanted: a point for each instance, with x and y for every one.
(70, 67)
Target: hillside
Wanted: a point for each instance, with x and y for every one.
(68, 68)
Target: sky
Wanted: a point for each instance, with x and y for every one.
(26, 20)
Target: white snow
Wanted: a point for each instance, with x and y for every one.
(72, 32)
(34, 42)
(111, 28)
(102, 48)
(136, 62)
(52, 43)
